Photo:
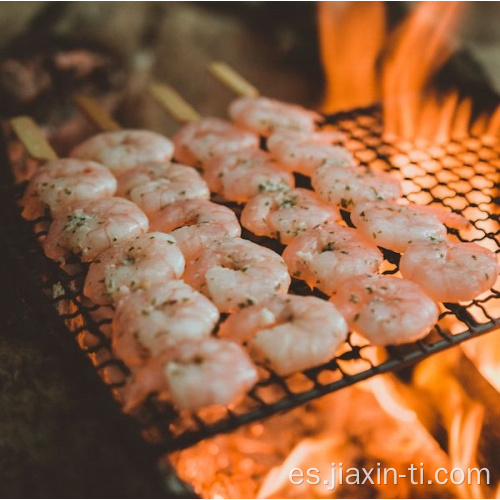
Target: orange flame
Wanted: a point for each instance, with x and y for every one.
(351, 37)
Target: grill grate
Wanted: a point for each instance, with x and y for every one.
(460, 175)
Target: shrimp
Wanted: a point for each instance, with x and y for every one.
(386, 310)
(348, 187)
(195, 224)
(329, 254)
(264, 116)
(132, 265)
(289, 333)
(303, 153)
(125, 149)
(197, 142)
(450, 272)
(394, 226)
(151, 321)
(87, 228)
(241, 175)
(235, 273)
(285, 214)
(60, 182)
(195, 375)
(156, 185)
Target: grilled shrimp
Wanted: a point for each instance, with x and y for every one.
(157, 185)
(264, 116)
(386, 310)
(125, 149)
(394, 226)
(195, 224)
(132, 265)
(289, 333)
(87, 228)
(303, 153)
(235, 273)
(151, 321)
(285, 214)
(329, 254)
(241, 175)
(60, 182)
(450, 272)
(198, 142)
(348, 187)
(195, 375)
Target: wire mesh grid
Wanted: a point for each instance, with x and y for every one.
(461, 175)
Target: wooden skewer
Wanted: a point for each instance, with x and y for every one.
(96, 114)
(233, 80)
(28, 132)
(170, 100)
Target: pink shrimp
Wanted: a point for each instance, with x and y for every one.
(195, 375)
(264, 116)
(289, 333)
(131, 265)
(285, 214)
(327, 255)
(151, 321)
(195, 224)
(125, 149)
(395, 226)
(60, 182)
(241, 175)
(235, 273)
(87, 228)
(450, 272)
(348, 187)
(197, 142)
(304, 152)
(156, 185)
(386, 310)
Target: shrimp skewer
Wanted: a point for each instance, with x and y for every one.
(348, 187)
(289, 333)
(153, 186)
(132, 265)
(196, 224)
(87, 228)
(235, 273)
(450, 272)
(394, 226)
(125, 149)
(241, 175)
(152, 321)
(326, 256)
(386, 310)
(195, 375)
(60, 182)
(286, 214)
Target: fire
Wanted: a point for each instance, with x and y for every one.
(351, 39)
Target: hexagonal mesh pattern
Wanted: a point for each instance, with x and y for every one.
(460, 175)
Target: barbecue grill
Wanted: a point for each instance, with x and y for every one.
(460, 175)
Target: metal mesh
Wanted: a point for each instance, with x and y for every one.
(460, 175)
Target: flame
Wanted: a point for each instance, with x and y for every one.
(351, 37)
(364, 64)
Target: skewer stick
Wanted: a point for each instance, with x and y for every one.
(233, 80)
(170, 100)
(96, 114)
(28, 132)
